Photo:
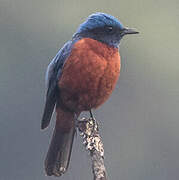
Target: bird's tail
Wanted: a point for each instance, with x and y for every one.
(58, 156)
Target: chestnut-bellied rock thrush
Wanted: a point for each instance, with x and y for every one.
(81, 77)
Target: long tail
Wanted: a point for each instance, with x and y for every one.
(58, 156)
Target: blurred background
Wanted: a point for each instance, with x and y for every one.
(139, 123)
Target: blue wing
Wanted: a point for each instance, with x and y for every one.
(53, 74)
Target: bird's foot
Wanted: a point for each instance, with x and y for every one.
(93, 121)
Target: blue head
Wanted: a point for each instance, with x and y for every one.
(104, 28)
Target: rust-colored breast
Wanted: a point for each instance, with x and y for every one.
(89, 75)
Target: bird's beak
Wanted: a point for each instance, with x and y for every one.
(129, 31)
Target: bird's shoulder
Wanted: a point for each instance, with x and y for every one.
(54, 68)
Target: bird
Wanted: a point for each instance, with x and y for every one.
(81, 77)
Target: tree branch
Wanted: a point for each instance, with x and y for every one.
(89, 131)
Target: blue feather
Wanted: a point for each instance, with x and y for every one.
(99, 20)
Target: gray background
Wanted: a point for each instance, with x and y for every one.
(139, 123)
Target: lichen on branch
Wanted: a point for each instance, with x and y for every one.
(89, 131)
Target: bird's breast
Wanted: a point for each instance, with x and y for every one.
(89, 74)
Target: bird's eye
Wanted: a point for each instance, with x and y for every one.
(109, 29)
